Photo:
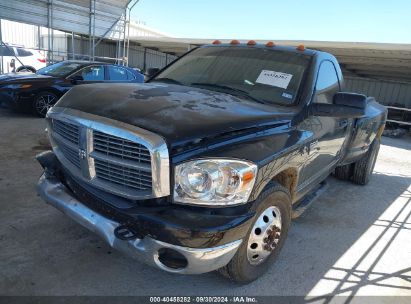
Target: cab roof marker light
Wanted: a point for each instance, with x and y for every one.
(216, 42)
(235, 41)
(301, 47)
(270, 44)
(251, 42)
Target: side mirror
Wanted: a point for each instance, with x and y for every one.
(76, 79)
(152, 71)
(346, 105)
(354, 100)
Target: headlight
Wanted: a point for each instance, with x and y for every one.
(214, 182)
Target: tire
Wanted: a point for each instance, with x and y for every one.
(364, 167)
(43, 102)
(26, 69)
(244, 267)
(344, 172)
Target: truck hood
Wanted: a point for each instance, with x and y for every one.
(22, 76)
(180, 114)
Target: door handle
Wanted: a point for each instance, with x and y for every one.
(343, 123)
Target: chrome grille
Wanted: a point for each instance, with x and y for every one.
(122, 175)
(121, 161)
(120, 148)
(67, 131)
(66, 136)
(112, 156)
(71, 155)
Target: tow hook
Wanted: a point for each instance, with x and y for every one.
(124, 233)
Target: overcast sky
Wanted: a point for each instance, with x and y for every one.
(345, 20)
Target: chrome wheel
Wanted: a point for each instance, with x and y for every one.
(44, 102)
(264, 236)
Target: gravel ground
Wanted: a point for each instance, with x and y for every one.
(353, 240)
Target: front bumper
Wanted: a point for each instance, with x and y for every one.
(12, 98)
(8, 97)
(199, 260)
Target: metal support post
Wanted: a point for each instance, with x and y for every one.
(72, 46)
(92, 28)
(124, 37)
(50, 31)
(128, 29)
(145, 59)
(1, 58)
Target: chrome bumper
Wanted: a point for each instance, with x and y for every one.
(199, 260)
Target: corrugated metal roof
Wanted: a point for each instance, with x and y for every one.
(67, 15)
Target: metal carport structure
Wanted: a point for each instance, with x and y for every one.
(93, 19)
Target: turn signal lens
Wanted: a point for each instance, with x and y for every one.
(25, 86)
(270, 44)
(235, 42)
(251, 42)
(216, 42)
(248, 176)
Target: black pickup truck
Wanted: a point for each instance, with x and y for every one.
(201, 167)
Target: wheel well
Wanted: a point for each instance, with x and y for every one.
(288, 178)
(51, 90)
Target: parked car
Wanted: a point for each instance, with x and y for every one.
(202, 167)
(20, 59)
(40, 91)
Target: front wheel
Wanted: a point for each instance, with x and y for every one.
(265, 238)
(43, 102)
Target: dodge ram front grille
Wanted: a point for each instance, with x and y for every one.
(121, 161)
(68, 131)
(66, 137)
(122, 175)
(70, 154)
(113, 146)
(114, 157)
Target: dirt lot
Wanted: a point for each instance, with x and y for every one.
(353, 241)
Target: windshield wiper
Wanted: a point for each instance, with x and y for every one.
(165, 79)
(224, 87)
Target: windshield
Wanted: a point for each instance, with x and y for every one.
(60, 69)
(262, 75)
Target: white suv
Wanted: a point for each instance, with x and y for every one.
(31, 60)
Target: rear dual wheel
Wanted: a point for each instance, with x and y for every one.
(265, 238)
(360, 172)
(364, 167)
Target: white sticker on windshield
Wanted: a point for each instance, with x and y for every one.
(275, 79)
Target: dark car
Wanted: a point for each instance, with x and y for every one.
(40, 91)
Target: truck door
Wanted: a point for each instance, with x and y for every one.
(329, 132)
